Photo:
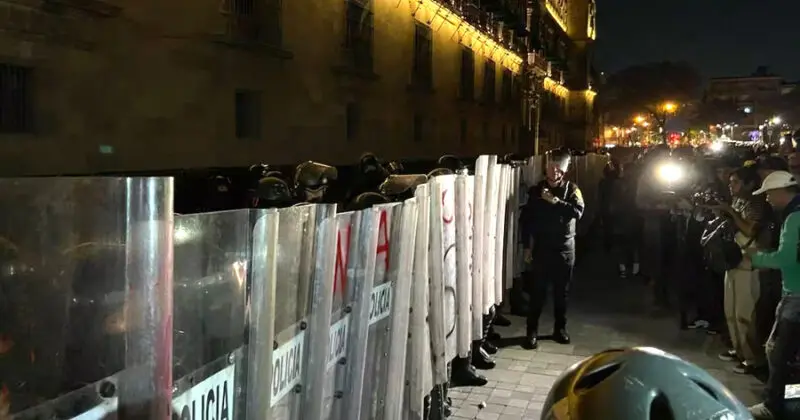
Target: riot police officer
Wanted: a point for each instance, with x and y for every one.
(548, 222)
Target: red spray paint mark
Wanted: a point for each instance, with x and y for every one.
(342, 260)
(445, 218)
(383, 240)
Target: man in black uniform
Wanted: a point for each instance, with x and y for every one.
(548, 223)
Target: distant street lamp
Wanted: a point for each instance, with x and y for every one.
(670, 107)
(639, 119)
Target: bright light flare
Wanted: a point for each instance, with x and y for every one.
(670, 172)
(717, 146)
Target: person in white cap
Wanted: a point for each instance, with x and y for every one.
(783, 194)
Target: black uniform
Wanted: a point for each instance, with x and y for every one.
(551, 227)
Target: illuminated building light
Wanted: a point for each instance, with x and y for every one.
(592, 33)
(590, 94)
(554, 13)
(555, 87)
(440, 18)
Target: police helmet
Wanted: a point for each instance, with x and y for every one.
(639, 383)
(450, 162)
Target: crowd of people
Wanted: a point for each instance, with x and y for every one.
(721, 232)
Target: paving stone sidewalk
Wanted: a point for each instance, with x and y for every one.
(605, 312)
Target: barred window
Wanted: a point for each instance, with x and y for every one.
(423, 57)
(16, 105)
(489, 82)
(359, 35)
(467, 88)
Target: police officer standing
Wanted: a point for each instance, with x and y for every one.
(548, 222)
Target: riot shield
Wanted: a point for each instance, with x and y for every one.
(363, 257)
(260, 341)
(464, 262)
(500, 231)
(348, 278)
(387, 260)
(478, 235)
(295, 253)
(437, 307)
(85, 297)
(323, 263)
(443, 258)
(211, 261)
(419, 372)
(489, 246)
(402, 278)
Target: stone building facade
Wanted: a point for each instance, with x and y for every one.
(562, 34)
(91, 86)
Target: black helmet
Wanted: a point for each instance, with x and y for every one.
(639, 383)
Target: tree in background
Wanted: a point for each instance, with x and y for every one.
(711, 112)
(645, 89)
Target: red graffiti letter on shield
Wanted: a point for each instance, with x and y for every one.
(383, 241)
(342, 258)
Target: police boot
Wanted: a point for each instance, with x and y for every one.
(464, 374)
(489, 347)
(560, 335)
(481, 359)
(531, 340)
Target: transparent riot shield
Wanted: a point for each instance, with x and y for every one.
(295, 246)
(85, 297)
(260, 341)
(376, 363)
(463, 222)
(500, 231)
(489, 245)
(363, 257)
(443, 260)
(419, 372)
(348, 276)
(402, 278)
(212, 258)
(324, 259)
(478, 235)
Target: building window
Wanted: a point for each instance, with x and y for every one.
(419, 127)
(248, 114)
(489, 81)
(422, 74)
(254, 20)
(507, 87)
(359, 35)
(16, 104)
(467, 85)
(462, 132)
(352, 118)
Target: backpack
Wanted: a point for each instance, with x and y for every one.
(720, 249)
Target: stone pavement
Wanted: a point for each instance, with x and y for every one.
(605, 312)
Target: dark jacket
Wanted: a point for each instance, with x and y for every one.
(551, 225)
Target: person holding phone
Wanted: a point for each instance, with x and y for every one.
(548, 223)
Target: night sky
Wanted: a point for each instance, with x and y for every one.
(719, 37)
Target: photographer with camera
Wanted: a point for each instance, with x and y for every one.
(744, 225)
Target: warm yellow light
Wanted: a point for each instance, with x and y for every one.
(590, 95)
(670, 107)
(639, 119)
(554, 13)
(441, 18)
(555, 87)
